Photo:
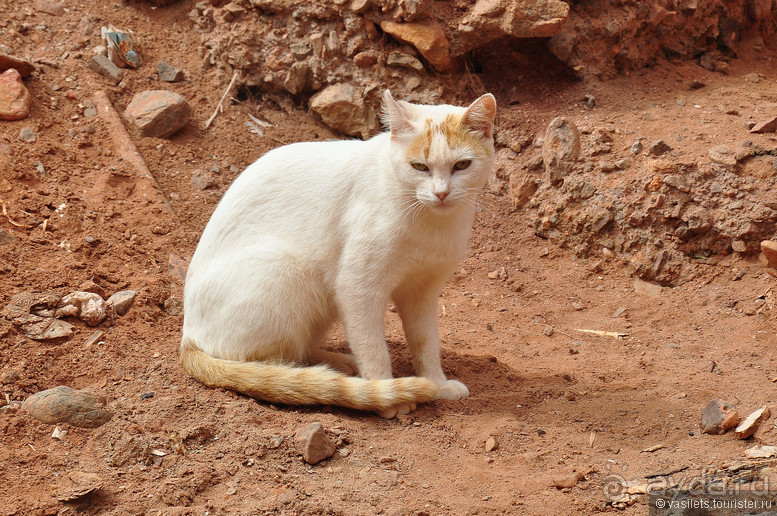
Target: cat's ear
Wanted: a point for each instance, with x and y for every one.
(480, 115)
(396, 117)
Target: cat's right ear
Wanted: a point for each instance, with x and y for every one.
(395, 116)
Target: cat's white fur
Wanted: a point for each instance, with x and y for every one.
(315, 232)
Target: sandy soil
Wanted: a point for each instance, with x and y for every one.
(556, 404)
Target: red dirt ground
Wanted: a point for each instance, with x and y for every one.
(571, 401)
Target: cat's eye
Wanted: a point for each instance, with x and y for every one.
(461, 165)
(420, 166)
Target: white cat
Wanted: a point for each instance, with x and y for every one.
(315, 232)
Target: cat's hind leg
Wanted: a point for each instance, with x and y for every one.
(343, 362)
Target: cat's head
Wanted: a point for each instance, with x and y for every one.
(445, 153)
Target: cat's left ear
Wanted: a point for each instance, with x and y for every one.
(480, 115)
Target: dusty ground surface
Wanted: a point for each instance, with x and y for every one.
(556, 404)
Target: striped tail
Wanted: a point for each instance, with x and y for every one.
(317, 385)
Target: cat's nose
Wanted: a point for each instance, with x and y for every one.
(441, 195)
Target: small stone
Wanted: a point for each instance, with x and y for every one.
(695, 85)
(366, 58)
(22, 66)
(721, 154)
(590, 101)
(121, 302)
(342, 107)
(158, 113)
(636, 147)
(15, 98)
(52, 8)
(6, 238)
(658, 148)
(169, 73)
(718, 417)
(87, 306)
(78, 485)
(297, 78)
(739, 246)
(765, 126)
(58, 434)
(203, 179)
(769, 250)
(568, 481)
(313, 443)
(105, 67)
(403, 60)
(491, 444)
(560, 149)
(91, 286)
(547, 330)
(173, 306)
(62, 404)
(578, 306)
(428, 37)
(750, 424)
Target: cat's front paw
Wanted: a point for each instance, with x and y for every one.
(402, 409)
(452, 390)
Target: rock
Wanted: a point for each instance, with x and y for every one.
(158, 113)
(750, 424)
(27, 134)
(522, 188)
(489, 20)
(659, 148)
(560, 149)
(6, 238)
(562, 44)
(342, 107)
(590, 101)
(313, 443)
(203, 179)
(765, 126)
(120, 302)
(33, 313)
(169, 73)
(428, 37)
(366, 59)
(403, 60)
(15, 99)
(721, 154)
(130, 449)
(22, 66)
(173, 306)
(78, 485)
(91, 286)
(491, 444)
(87, 306)
(759, 9)
(636, 147)
(62, 404)
(52, 8)
(568, 481)
(297, 78)
(718, 417)
(769, 251)
(105, 67)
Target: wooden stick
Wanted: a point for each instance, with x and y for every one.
(220, 106)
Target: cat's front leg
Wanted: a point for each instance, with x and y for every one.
(417, 308)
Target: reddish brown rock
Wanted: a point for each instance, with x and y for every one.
(313, 443)
(65, 405)
(718, 417)
(158, 113)
(765, 126)
(22, 66)
(15, 99)
(751, 423)
(428, 37)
